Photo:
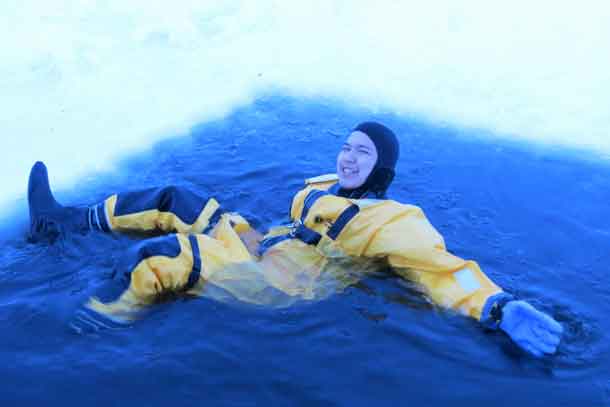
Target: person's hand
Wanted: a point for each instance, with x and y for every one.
(534, 331)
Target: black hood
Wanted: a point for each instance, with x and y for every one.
(382, 174)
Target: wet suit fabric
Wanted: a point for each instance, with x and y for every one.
(169, 209)
(331, 243)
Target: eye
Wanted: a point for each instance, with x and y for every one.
(363, 151)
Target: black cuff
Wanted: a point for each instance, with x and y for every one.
(491, 317)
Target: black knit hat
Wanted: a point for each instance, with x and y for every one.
(382, 174)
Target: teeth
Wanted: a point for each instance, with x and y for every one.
(348, 171)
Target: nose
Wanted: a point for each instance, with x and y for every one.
(349, 156)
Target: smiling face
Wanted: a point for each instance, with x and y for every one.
(356, 160)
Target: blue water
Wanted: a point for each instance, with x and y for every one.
(536, 219)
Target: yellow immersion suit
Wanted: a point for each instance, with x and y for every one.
(331, 243)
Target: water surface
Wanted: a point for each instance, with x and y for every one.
(537, 220)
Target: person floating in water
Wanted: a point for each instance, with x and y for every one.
(342, 226)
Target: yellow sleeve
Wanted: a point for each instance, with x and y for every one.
(414, 248)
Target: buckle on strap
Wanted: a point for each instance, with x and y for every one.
(306, 235)
(294, 227)
(298, 230)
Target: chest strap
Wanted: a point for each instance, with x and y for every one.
(308, 235)
(342, 220)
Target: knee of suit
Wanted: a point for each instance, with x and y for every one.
(185, 204)
(181, 202)
(153, 268)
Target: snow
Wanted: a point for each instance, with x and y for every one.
(84, 83)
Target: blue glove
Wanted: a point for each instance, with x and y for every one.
(532, 330)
